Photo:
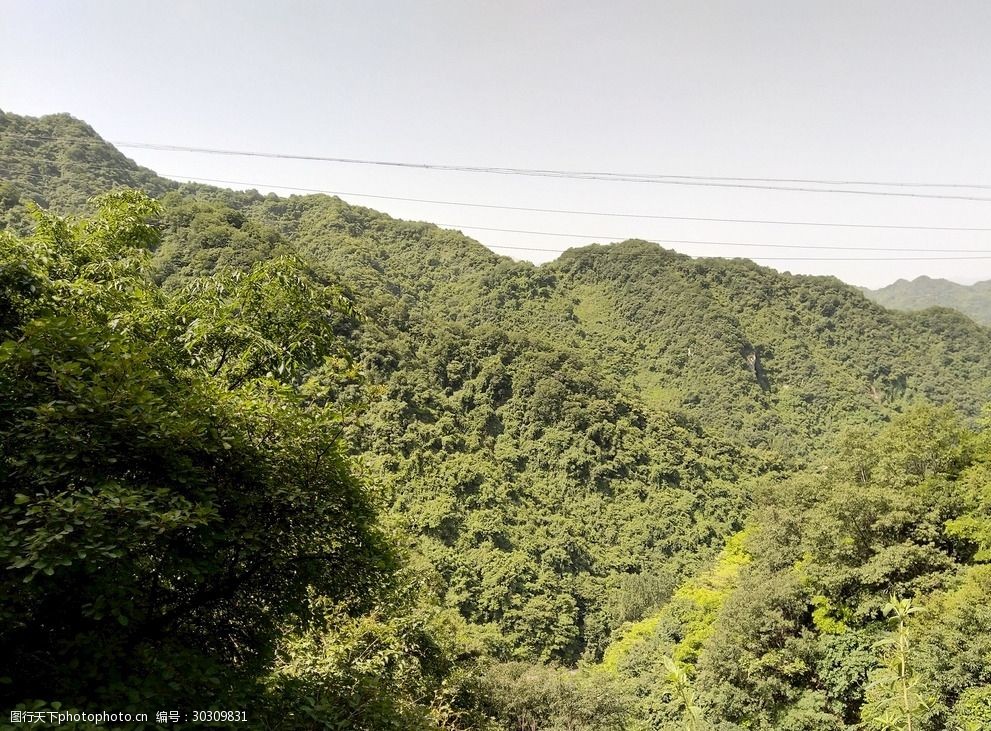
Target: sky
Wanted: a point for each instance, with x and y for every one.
(876, 91)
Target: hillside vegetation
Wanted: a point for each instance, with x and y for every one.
(923, 292)
(345, 471)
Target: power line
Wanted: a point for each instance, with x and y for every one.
(644, 176)
(757, 258)
(573, 212)
(528, 209)
(593, 237)
(661, 241)
(830, 247)
(682, 180)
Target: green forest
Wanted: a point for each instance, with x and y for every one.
(923, 292)
(337, 470)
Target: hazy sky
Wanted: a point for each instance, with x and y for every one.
(859, 90)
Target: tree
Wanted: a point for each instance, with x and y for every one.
(899, 700)
(693, 718)
(167, 492)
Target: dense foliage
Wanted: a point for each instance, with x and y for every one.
(786, 635)
(354, 472)
(170, 494)
(59, 162)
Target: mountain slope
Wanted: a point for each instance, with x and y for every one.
(752, 369)
(760, 358)
(923, 292)
(565, 449)
(60, 162)
(763, 358)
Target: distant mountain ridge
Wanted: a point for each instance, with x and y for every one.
(753, 355)
(923, 292)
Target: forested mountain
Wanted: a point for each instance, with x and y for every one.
(924, 292)
(626, 489)
(52, 161)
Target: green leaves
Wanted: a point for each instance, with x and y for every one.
(174, 478)
(693, 718)
(159, 486)
(276, 321)
(896, 694)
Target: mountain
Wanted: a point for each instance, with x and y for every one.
(60, 162)
(923, 292)
(763, 358)
(622, 454)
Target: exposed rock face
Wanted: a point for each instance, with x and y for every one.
(753, 362)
